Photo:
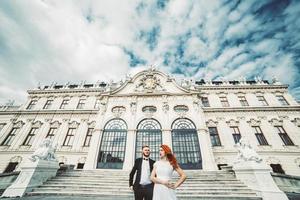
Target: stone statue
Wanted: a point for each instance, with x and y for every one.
(45, 151)
(246, 152)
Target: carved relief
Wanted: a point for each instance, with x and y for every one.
(19, 124)
(149, 82)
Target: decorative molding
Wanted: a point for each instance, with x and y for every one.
(36, 124)
(91, 124)
(254, 122)
(55, 124)
(296, 121)
(283, 117)
(276, 122)
(211, 123)
(272, 160)
(82, 160)
(232, 122)
(73, 124)
(221, 160)
(17, 159)
(19, 124)
(297, 161)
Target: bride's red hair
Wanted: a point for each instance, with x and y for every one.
(170, 155)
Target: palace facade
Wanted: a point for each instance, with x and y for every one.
(103, 126)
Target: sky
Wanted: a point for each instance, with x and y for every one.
(42, 41)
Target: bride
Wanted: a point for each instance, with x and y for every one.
(162, 174)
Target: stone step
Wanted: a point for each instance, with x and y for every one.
(182, 188)
(77, 196)
(185, 184)
(128, 192)
(130, 196)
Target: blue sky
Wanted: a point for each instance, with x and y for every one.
(52, 40)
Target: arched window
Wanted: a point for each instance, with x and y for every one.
(186, 144)
(148, 133)
(113, 145)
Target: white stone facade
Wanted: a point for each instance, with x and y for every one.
(92, 106)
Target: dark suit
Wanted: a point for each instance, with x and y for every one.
(140, 191)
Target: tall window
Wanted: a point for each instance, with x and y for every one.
(185, 144)
(284, 136)
(69, 137)
(64, 103)
(88, 137)
(29, 139)
(214, 136)
(282, 100)
(113, 145)
(51, 133)
(31, 104)
(243, 101)
(97, 104)
(9, 138)
(224, 101)
(81, 103)
(236, 134)
(205, 101)
(262, 100)
(260, 136)
(48, 104)
(148, 133)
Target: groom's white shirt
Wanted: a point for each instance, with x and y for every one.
(145, 175)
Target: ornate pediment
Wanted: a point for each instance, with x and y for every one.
(149, 82)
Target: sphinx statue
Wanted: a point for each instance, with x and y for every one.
(45, 151)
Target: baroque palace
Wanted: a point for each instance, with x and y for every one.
(103, 126)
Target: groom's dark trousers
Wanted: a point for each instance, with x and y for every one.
(141, 192)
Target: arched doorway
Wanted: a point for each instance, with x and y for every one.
(185, 144)
(113, 145)
(148, 133)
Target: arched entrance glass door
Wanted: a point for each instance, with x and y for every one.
(186, 144)
(113, 144)
(148, 133)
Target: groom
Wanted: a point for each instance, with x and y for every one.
(143, 187)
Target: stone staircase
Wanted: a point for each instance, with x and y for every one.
(113, 184)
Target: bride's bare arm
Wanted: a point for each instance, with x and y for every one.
(181, 179)
(156, 180)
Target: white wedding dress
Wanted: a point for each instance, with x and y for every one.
(164, 171)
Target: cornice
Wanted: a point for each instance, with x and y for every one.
(49, 112)
(234, 87)
(251, 109)
(66, 91)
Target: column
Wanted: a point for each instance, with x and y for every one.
(130, 150)
(59, 138)
(208, 161)
(91, 160)
(167, 137)
(80, 135)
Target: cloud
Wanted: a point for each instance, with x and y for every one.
(50, 40)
